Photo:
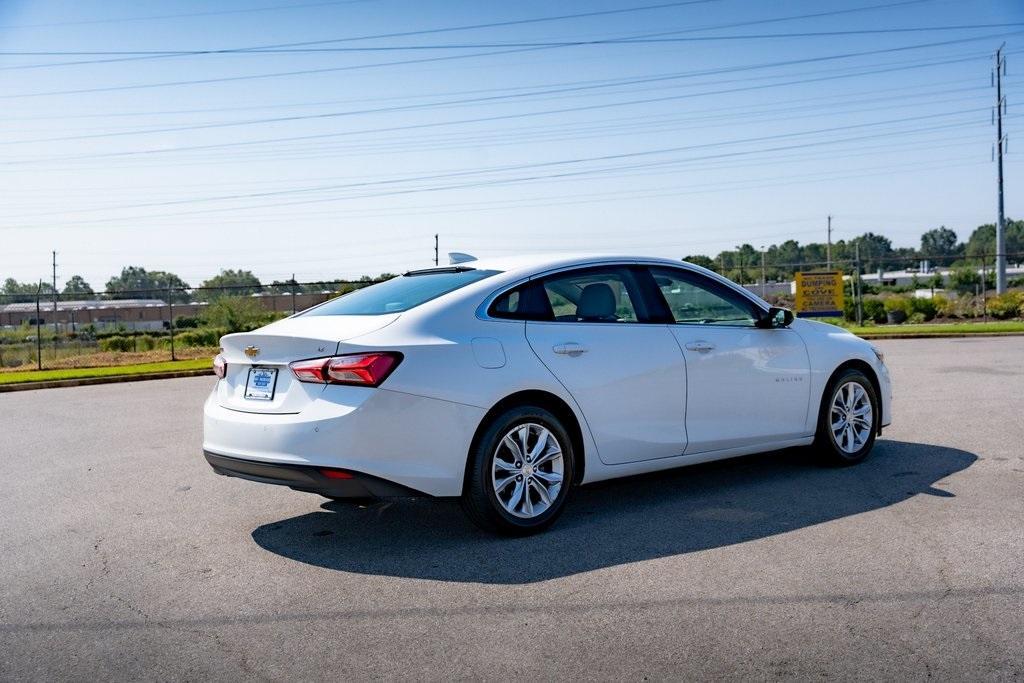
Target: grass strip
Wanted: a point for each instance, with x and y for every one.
(109, 371)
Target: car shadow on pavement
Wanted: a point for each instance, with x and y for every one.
(615, 522)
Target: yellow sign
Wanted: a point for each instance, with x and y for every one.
(819, 295)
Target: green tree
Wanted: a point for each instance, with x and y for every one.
(940, 243)
(982, 243)
(874, 250)
(702, 261)
(23, 292)
(136, 282)
(77, 286)
(240, 282)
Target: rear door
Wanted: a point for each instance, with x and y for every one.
(745, 385)
(625, 373)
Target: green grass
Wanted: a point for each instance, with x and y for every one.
(939, 330)
(79, 373)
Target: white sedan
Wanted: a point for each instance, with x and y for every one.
(507, 382)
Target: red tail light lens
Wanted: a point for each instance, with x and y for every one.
(336, 474)
(361, 369)
(220, 366)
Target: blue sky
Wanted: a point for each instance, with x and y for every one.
(716, 123)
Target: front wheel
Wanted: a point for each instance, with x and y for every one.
(520, 472)
(847, 421)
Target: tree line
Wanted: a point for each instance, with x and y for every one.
(939, 245)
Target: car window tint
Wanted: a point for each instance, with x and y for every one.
(595, 295)
(401, 293)
(526, 302)
(693, 298)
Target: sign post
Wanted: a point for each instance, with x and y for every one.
(819, 295)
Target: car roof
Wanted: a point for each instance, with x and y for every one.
(526, 264)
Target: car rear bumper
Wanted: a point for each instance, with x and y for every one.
(309, 478)
(417, 443)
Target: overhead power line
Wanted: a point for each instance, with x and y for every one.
(404, 62)
(492, 45)
(499, 117)
(541, 165)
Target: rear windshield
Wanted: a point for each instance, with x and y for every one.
(401, 293)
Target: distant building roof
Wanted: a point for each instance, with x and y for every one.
(47, 305)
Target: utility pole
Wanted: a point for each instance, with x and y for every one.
(828, 248)
(39, 331)
(170, 314)
(997, 75)
(435, 250)
(764, 274)
(860, 292)
(55, 301)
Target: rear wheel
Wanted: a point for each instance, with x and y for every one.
(848, 419)
(520, 472)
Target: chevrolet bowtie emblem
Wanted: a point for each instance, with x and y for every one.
(252, 351)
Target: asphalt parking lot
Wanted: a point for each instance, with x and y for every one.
(122, 556)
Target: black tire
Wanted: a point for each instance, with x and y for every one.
(825, 442)
(479, 499)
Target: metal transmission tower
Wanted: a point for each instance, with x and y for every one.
(997, 77)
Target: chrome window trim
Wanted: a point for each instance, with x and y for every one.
(481, 310)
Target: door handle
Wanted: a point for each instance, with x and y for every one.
(569, 349)
(700, 346)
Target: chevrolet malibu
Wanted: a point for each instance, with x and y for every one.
(507, 383)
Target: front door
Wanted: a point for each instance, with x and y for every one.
(745, 385)
(626, 375)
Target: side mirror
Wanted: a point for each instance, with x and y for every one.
(776, 317)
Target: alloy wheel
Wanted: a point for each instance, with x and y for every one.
(851, 419)
(527, 470)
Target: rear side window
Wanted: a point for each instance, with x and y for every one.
(401, 293)
(599, 295)
(605, 294)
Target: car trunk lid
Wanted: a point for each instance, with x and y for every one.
(258, 379)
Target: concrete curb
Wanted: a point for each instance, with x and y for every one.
(939, 335)
(112, 379)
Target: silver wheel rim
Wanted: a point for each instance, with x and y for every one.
(527, 470)
(851, 417)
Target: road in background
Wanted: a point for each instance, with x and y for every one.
(124, 556)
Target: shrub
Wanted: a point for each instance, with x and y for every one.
(916, 318)
(237, 314)
(145, 343)
(116, 343)
(897, 304)
(204, 336)
(874, 310)
(964, 279)
(925, 307)
(1008, 305)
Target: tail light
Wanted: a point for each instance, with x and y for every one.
(220, 366)
(361, 369)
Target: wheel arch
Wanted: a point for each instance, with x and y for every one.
(869, 372)
(548, 401)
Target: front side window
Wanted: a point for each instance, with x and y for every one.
(695, 299)
(597, 295)
(401, 293)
